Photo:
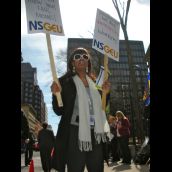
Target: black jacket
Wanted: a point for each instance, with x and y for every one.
(46, 139)
(31, 140)
(68, 95)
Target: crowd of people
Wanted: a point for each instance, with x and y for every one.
(120, 130)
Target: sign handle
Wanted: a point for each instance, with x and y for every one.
(53, 69)
(105, 78)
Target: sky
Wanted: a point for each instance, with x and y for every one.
(78, 19)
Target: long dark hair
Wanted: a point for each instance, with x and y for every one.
(70, 72)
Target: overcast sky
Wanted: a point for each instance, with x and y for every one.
(78, 18)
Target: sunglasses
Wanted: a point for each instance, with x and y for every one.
(79, 56)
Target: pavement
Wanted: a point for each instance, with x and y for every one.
(113, 167)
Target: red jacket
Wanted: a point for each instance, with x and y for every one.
(125, 129)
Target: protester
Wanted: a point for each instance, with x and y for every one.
(83, 126)
(29, 148)
(123, 133)
(46, 143)
(114, 141)
(24, 132)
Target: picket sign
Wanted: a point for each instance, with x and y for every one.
(37, 13)
(105, 78)
(53, 69)
(106, 41)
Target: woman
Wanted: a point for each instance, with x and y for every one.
(83, 126)
(123, 134)
(114, 141)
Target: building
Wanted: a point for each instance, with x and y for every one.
(38, 103)
(46, 112)
(33, 124)
(29, 73)
(21, 57)
(121, 97)
(147, 56)
(27, 92)
(31, 94)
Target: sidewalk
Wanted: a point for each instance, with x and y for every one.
(114, 167)
(118, 167)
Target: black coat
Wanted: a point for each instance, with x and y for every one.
(68, 95)
(46, 139)
(46, 143)
(29, 145)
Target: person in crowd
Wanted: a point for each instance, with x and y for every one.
(114, 142)
(24, 132)
(123, 134)
(83, 126)
(46, 143)
(29, 148)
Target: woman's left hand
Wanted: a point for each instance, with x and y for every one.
(106, 86)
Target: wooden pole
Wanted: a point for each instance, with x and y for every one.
(105, 78)
(53, 69)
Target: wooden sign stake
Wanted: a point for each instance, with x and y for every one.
(105, 78)
(53, 69)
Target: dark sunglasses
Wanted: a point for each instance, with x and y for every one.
(79, 56)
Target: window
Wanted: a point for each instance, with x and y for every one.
(137, 72)
(137, 79)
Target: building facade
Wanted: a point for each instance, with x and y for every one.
(29, 73)
(31, 93)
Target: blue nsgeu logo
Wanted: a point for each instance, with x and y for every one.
(39, 25)
(106, 48)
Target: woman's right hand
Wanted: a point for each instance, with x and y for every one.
(55, 88)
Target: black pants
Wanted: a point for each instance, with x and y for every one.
(77, 160)
(28, 154)
(115, 151)
(45, 154)
(124, 148)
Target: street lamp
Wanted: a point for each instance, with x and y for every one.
(132, 118)
(141, 78)
(140, 115)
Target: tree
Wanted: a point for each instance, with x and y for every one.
(61, 61)
(122, 9)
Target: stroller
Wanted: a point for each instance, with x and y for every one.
(143, 155)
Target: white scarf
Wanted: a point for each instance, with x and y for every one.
(101, 127)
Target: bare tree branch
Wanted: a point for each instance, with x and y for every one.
(90, 32)
(119, 14)
(80, 36)
(123, 8)
(62, 55)
(121, 4)
(127, 10)
(115, 3)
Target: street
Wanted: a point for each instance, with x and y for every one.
(114, 167)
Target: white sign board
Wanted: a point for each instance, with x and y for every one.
(106, 35)
(100, 78)
(43, 16)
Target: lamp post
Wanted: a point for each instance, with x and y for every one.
(140, 115)
(132, 118)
